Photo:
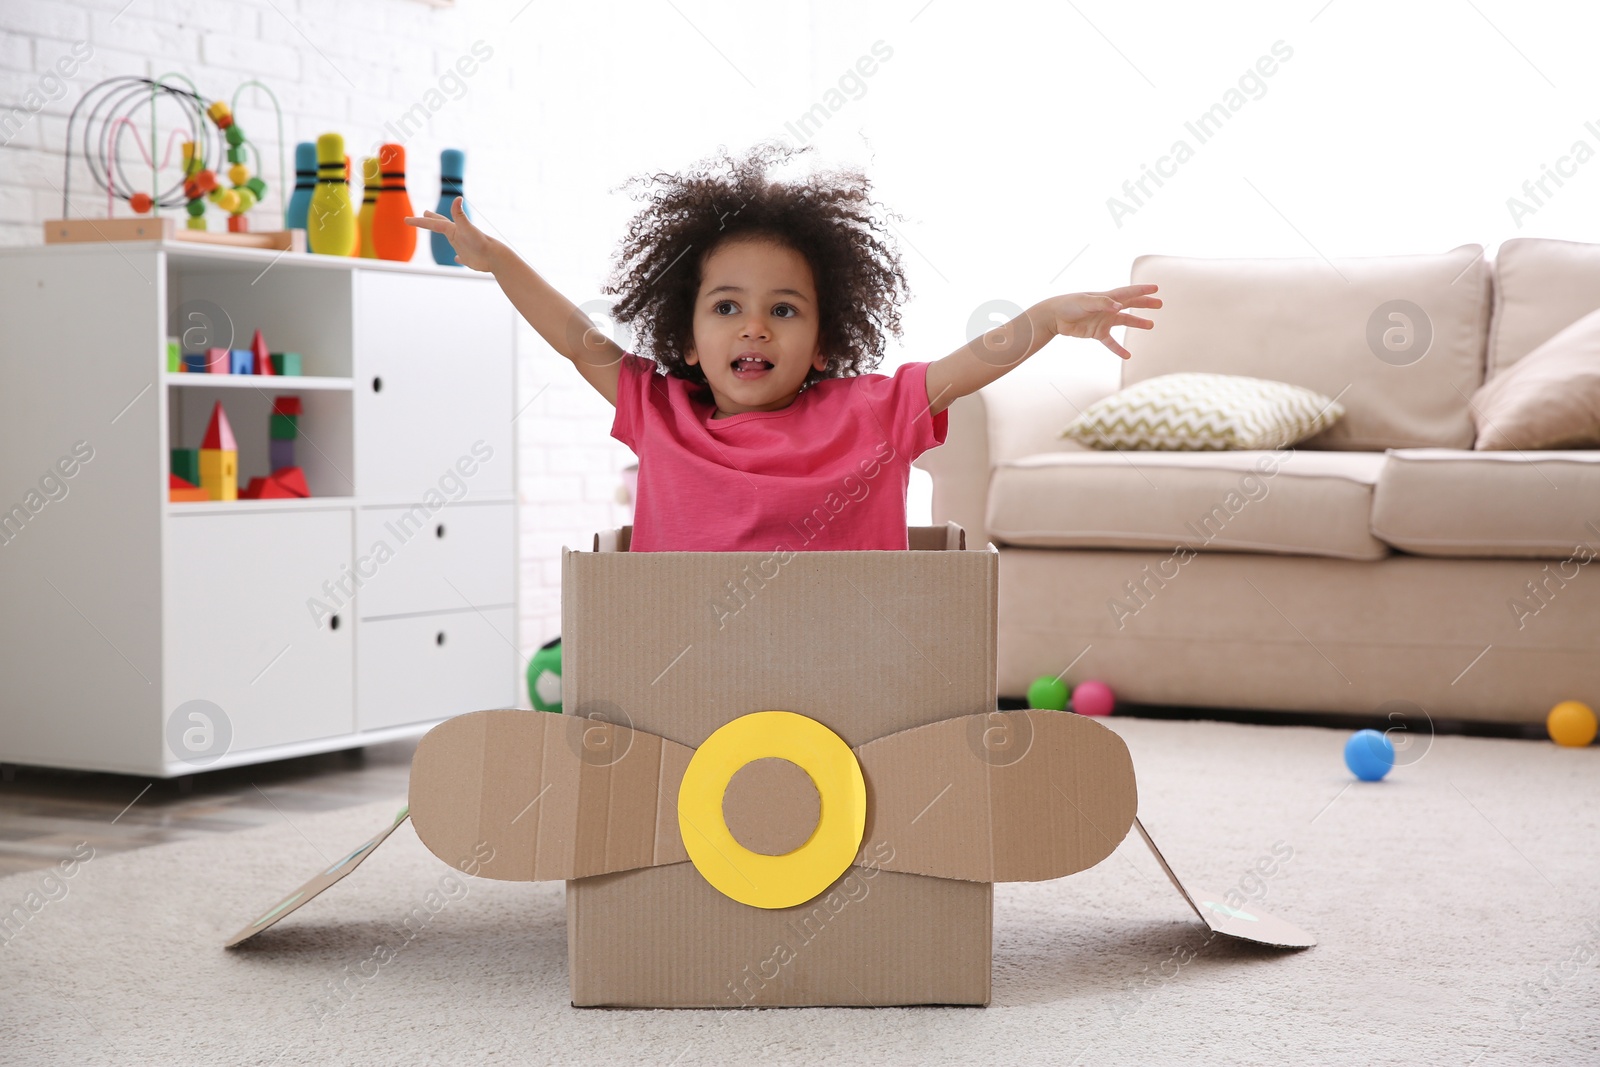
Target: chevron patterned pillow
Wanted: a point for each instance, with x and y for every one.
(1190, 412)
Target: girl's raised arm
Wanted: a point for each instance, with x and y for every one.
(565, 328)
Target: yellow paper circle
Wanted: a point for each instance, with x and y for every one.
(795, 877)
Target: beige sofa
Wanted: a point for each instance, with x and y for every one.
(1382, 566)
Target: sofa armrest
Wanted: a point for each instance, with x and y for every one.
(1022, 414)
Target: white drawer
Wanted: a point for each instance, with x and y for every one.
(409, 562)
(434, 666)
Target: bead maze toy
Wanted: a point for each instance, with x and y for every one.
(209, 134)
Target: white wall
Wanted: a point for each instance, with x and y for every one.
(999, 131)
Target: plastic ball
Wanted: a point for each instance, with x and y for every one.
(234, 135)
(247, 200)
(1093, 698)
(140, 202)
(196, 208)
(544, 677)
(238, 174)
(1369, 755)
(1571, 723)
(1048, 693)
(228, 201)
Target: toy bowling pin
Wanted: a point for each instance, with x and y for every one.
(305, 180)
(395, 240)
(452, 164)
(370, 181)
(331, 221)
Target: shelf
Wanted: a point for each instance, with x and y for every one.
(281, 383)
(256, 260)
(240, 507)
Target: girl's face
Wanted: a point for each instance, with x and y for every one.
(755, 326)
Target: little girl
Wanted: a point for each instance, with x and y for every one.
(763, 305)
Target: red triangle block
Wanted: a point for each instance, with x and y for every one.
(273, 489)
(176, 482)
(219, 434)
(253, 490)
(263, 358)
(292, 480)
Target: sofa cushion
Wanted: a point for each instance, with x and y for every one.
(1288, 501)
(1541, 288)
(1449, 502)
(1398, 340)
(1550, 398)
(1193, 412)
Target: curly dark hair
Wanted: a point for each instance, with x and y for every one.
(826, 217)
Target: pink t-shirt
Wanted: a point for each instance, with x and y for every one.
(828, 472)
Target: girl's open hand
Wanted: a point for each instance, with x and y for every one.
(1093, 314)
(472, 245)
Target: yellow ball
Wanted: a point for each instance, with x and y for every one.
(228, 201)
(238, 174)
(1571, 723)
(247, 200)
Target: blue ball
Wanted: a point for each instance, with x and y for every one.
(1369, 755)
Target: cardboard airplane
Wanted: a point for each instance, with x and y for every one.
(839, 851)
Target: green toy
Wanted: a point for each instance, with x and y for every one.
(544, 677)
(1048, 693)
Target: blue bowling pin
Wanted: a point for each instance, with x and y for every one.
(305, 180)
(452, 163)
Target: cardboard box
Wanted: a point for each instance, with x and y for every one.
(866, 643)
(780, 780)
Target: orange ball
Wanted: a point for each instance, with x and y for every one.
(1571, 723)
(140, 202)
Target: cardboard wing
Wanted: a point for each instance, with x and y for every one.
(317, 883)
(1250, 924)
(989, 797)
(561, 797)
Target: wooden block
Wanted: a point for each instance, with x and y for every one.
(293, 480)
(283, 427)
(286, 362)
(241, 361)
(186, 464)
(192, 495)
(286, 405)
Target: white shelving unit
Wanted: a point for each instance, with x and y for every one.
(372, 610)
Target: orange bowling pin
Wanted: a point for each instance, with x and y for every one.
(395, 240)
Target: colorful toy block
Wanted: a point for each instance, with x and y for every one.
(219, 457)
(283, 427)
(262, 360)
(186, 464)
(286, 363)
(218, 361)
(285, 484)
(286, 405)
(280, 453)
(194, 362)
(241, 361)
(174, 358)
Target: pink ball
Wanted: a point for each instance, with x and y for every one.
(1093, 698)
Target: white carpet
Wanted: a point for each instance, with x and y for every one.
(1454, 904)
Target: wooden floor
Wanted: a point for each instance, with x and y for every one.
(45, 813)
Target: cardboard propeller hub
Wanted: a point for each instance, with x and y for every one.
(780, 780)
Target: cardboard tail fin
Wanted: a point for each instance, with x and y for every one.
(318, 882)
(1250, 924)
